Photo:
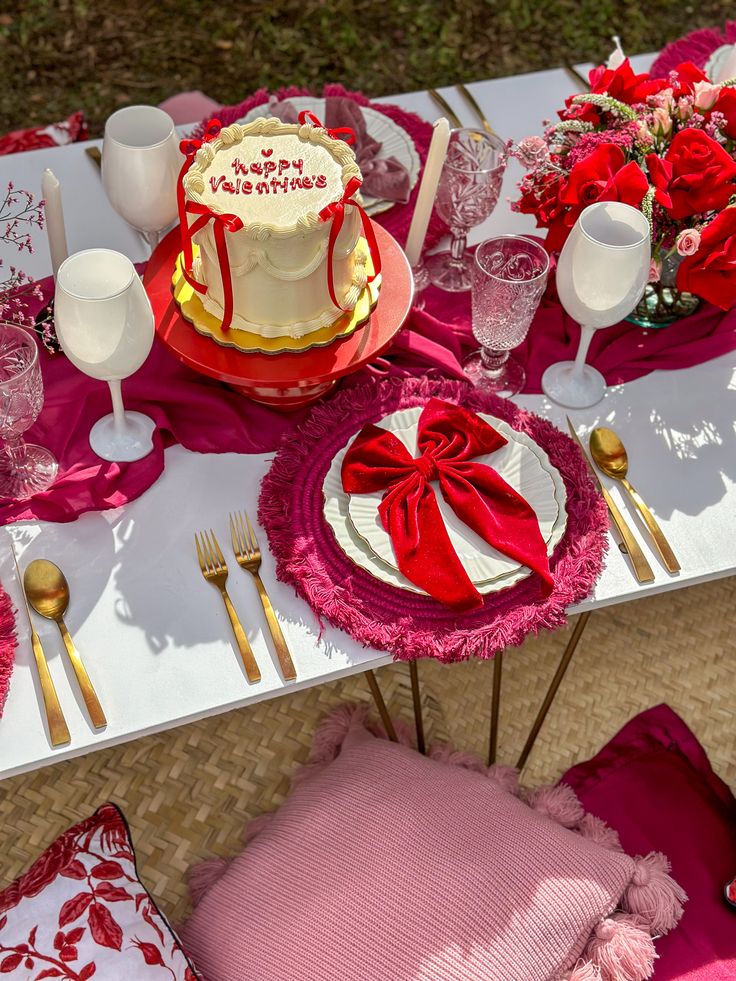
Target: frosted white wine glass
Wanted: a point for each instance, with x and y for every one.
(601, 276)
(140, 164)
(105, 326)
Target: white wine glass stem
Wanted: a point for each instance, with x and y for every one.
(118, 409)
(586, 336)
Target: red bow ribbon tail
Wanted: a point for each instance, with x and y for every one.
(189, 148)
(336, 212)
(222, 223)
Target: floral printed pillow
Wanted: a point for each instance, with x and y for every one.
(80, 912)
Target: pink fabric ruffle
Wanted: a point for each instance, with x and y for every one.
(409, 625)
(397, 219)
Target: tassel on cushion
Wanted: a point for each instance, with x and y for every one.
(558, 803)
(654, 895)
(622, 949)
(594, 829)
(505, 777)
(204, 875)
(585, 971)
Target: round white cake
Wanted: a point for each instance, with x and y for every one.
(276, 178)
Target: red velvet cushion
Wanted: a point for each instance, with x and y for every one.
(654, 784)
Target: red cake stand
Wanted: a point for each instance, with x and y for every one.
(284, 381)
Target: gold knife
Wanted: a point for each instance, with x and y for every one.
(58, 729)
(470, 99)
(642, 569)
(446, 108)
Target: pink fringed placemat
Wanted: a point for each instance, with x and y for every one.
(697, 47)
(405, 624)
(397, 219)
(8, 643)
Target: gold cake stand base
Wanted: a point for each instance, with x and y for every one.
(206, 323)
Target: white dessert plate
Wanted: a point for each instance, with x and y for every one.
(396, 142)
(523, 464)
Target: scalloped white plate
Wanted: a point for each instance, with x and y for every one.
(522, 463)
(396, 141)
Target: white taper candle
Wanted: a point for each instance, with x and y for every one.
(54, 212)
(427, 191)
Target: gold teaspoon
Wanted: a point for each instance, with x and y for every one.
(58, 729)
(610, 456)
(48, 593)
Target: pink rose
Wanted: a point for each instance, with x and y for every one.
(661, 122)
(688, 241)
(705, 95)
(655, 270)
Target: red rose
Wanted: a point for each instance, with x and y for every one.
(542, 198)
(726, 104)
(622, 84)
(711, 272)
(687, 74)
(603, 175)
(695, 175)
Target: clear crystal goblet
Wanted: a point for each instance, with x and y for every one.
(509, 279)
(25, 469)
(467, 194)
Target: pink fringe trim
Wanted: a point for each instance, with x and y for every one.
(697, 47)
(621, 946)
(8, 644)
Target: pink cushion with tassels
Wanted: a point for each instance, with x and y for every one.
(384, 865)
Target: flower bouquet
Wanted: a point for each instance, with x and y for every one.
(664, 145)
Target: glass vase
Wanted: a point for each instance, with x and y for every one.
(662, 303)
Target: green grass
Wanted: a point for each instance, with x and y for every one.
(102, 54)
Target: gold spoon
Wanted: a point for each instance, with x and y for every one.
(48, 593)
(609, 454)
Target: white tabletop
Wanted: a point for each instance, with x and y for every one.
(155, 636)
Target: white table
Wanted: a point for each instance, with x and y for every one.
(155, 636)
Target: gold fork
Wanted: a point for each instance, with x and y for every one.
(248, 554)
(214, 569)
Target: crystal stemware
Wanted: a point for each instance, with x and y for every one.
(105, 326)
(25, 469)
(601, 276)
(468, 192)
(509, 278)
(140, 165)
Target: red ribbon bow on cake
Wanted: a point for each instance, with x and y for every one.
(336, 211)
(448, 437)
(222, 223)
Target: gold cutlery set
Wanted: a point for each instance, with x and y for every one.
(248, 556)
(609, 455)
(453, 117)
(46, 590)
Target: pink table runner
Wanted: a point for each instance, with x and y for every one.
(406, 624)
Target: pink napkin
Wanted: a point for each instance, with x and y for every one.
(386, 178)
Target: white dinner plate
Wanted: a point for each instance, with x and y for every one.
(528, 464)
(395, 141)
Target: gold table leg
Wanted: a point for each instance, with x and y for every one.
(416, 696)
(495, 707)
(381, 705)
(562, 667)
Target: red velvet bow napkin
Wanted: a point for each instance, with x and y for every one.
(448, 438)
